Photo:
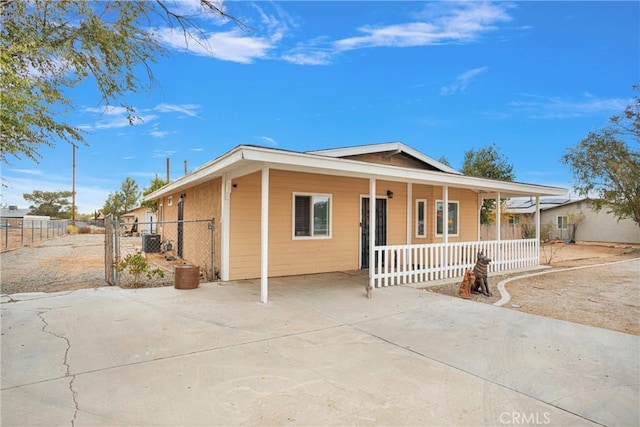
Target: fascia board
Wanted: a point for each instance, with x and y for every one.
(337, 166)
(238, 159)
(385, 146)
(208, 170)
(359, 149)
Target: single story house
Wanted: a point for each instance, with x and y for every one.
(592, 226)
(282, 212)
(12, 216)
(144, 216)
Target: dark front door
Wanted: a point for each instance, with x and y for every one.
(381, 228)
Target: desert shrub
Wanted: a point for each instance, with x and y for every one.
(84, 230)
(136, 265)
(72, 229)
(528, 231)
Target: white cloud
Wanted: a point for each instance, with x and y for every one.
(158, 133)
(234, 45)
(462, 81)
(269, 141)
(163, 153)
(308, 57)
(440, 23)
(187, 109)
(558, 108)
(111, 117)
(28, 171)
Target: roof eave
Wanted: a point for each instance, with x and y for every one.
(314, 163)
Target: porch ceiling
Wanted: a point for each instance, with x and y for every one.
(244, 160)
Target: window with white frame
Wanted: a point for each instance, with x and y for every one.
(311, 216)
(452, 220)
(170, 201)
(421, 218)
(562, 222)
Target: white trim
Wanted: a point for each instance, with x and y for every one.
(311, 220)
(225, 201)
(242, 156)
(170, 201)
(409, 211)
(566, 221)
(424, 220)
(398, 147)
(264, 237)
(446, 212)
(372, 231)
(538, 227)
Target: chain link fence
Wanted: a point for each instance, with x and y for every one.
(19, 232)
(145, 254)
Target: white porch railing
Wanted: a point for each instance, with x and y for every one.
(405, 264)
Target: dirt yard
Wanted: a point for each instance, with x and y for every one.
(575, 295)
(61, 264)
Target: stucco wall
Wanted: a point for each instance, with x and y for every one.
(289, 256)
(202, 202)
(596, 226)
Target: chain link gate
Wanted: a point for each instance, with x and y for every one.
(163, 246)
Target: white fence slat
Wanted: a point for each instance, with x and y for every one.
(405, 264)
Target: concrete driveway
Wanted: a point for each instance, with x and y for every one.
(319, 353)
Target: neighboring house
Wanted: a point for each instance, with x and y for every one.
(284, 213)
(523, 209)
(145, 217)
(12, 216)
(594, 227)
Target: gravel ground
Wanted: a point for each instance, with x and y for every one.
(605, 297)
(64, 263)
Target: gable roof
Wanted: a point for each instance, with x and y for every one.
(390, 149)
(246, 159)
(520, 205)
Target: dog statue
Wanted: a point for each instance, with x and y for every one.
(467, 282)
(480, 270)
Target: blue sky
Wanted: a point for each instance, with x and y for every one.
(533, 78)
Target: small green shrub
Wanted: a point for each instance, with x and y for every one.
(136, 265)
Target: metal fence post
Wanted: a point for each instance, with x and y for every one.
(116, 251)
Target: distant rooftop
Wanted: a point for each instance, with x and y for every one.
(13, 212)
(527, 205)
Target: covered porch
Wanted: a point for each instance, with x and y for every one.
(415, 263)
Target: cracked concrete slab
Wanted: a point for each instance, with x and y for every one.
(320, 353)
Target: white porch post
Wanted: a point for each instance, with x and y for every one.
(498, 231)
(498, 219)
(445, 229)
(479, 219)
(264, 237)
(409, 211)
(537, 230)
(224, 223)
(372, 230)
